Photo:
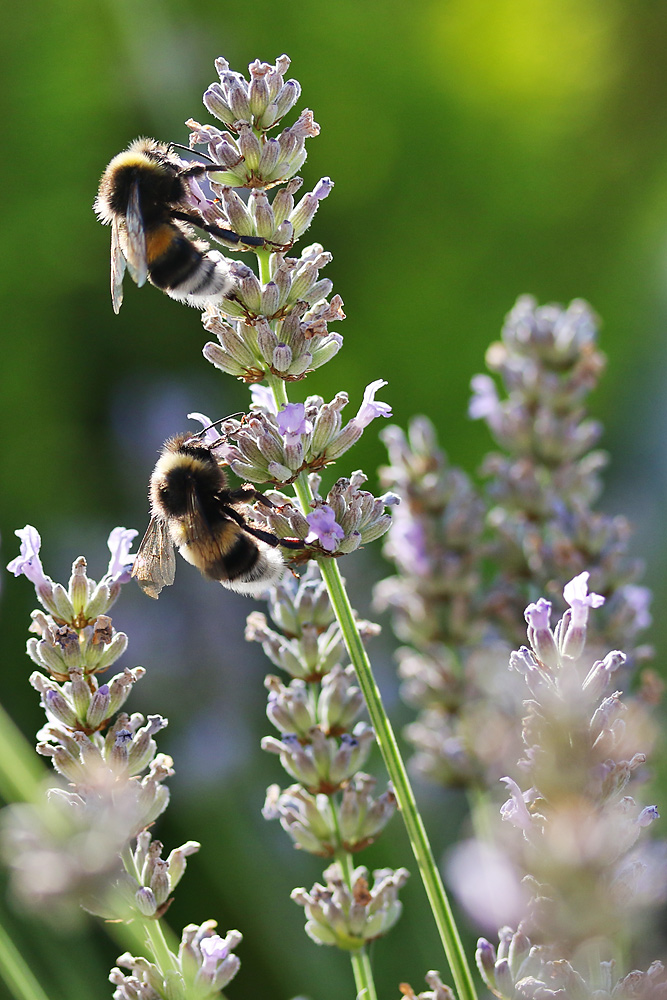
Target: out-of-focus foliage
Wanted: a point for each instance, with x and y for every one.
(480, 150)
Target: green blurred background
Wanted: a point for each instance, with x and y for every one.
(480, 150)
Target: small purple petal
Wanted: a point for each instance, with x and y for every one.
(537, 615)
(28, 562)
(370, 409)
(292, 423)
(515, 810)
(213, 950)
(120, 564)
(390, 499)
(324, 527)
(648, 816)
(576, 594)
(323, 188)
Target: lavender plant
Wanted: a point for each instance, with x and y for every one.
(85, 842)
(468, 561)
(589, 883)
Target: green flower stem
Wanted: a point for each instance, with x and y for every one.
(16, 973)
(405, 796)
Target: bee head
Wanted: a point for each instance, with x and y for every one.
(185, 473)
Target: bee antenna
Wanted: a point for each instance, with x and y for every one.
(221, 420)
(188, 149)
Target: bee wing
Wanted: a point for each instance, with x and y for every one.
(136, 238)
(118, 265)
(155, 562)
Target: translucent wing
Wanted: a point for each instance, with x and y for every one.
(118, 265)
(136, 238)
(155, 562)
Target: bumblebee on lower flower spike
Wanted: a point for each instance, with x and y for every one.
(193, 510)
(143, 197)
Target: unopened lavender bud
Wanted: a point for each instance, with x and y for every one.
(60, 602)
(340, 700)
(145, 902)
(80, 691)
(237, 97)
(250, 148)
(121, 748)
(239, 217)
(259, 206)
(503, 978)
(250, 293)
(283, 203)
(350, 543)
(110, 653)
(79, 586)
(223, 361)
(216, 103)
(287, 97)
(282, 358)
(59, 708)
(375, 530)
(270, 299)
(160, 884)
(268, 118)
(64, 762)
(326, 349)
(301, 364)
(352, 753)
(540, 635)
(258, 96)
(98, 711)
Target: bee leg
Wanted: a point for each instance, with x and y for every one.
(264, 536)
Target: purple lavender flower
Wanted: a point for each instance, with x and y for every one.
(292, 422)
(28, 562)
(120, 564)
(370, 409)
(515, 809)
(324, 528)
(576, 594)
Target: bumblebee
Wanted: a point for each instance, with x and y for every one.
(143, 197)
(193, 510)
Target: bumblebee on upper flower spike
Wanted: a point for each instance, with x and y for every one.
(143, 196)
(193, 510)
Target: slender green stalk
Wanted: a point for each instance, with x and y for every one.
(405, 796)
(16, 973)
(421, 847)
